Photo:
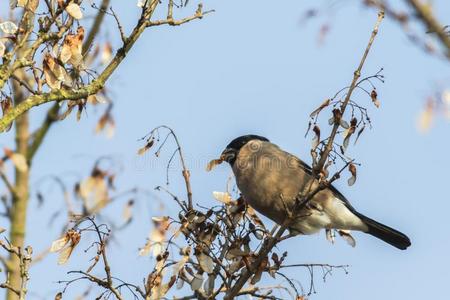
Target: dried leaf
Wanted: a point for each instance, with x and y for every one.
(257, 277)
(71, 50)
(322, 106)
(106, 54)
(127, 212)
(345, 234)
(212, 164)
(18, 159)
(344, 124)
(106, 123)
(59, 244)
(206, 263)
(8, 27)
(55, 74)
(352, 169)
(374, 97)
(94, 193)
(74, 11)
(359, 133)
(316, 138)
(223, 197)
(141, 3)
(66, 245)
(144, 251)
(254, 217)
(146, 147)
(184, 259)
(426, 117)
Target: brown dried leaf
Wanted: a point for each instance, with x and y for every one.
(72, 48)
(54, 73)
(127, 212)
(426, 116)
(254, 217)
(94, 193)
(19, 161)
(59, 244)
(359, 133)
(66, 245)
(212, 164)
(322, 106)
(345, 234)
(352, 169)
(316, 138)
(106, 53)
(146, 147)
(374, 97)
(257, 277)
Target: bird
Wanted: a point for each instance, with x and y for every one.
(270, 179)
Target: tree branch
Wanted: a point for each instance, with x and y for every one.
(425, 13)
(97, 84)
(270, 242)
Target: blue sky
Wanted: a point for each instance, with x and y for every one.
(253, 67)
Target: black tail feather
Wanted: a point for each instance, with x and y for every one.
(385, 233)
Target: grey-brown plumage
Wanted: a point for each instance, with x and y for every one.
(270, 179)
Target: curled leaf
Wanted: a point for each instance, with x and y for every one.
(257, 277)
(352, 169)
(345, 234)
(146, 147)
(65, 245)
(213, 163)
(348, 133)
(316, 138)
(374, 97)
(322, 106)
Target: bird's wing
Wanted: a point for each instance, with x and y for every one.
(305, 167)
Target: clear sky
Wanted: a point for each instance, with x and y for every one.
(253, 67)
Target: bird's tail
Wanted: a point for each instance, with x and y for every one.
(385, 233)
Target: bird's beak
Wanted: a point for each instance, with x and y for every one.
(228, 155)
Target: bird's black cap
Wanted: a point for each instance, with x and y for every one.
(239, 142)
(232, 149)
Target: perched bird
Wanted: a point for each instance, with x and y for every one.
(270, 180)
